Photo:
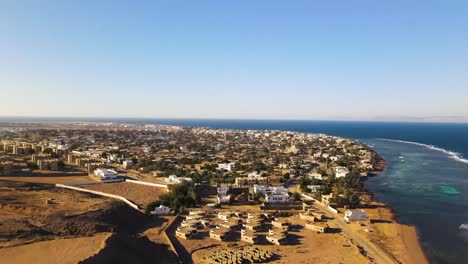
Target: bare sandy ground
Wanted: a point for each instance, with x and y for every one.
(75, 227)
(48, 179)
(67, 250)
(139, 194)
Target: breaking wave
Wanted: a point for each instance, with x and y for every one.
(454, 155)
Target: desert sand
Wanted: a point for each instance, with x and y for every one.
(60, 251)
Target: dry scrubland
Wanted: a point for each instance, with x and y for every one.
(58, 251)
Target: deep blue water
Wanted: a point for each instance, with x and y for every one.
(427, 187)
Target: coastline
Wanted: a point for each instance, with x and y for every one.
(400, 240)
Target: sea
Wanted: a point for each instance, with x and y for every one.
(425, 181)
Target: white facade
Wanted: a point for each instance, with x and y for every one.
(161, 210)
(341, 172)
(277, 198)
(227, 166)
(355, 215)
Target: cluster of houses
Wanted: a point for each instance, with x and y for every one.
(248, 227)
(229, 226)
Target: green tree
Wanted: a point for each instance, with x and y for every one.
(296, 196)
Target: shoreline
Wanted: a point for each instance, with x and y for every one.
(407, 235)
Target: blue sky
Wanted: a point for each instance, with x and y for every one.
(368, 59)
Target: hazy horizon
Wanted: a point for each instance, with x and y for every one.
(354, 60)
(336, 119)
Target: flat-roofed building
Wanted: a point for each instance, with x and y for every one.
(318, 228)
(277, 237)
(249, 236)
(220, 234)
(282, 224)
(186, 232)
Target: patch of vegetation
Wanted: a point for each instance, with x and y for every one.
(180, 196)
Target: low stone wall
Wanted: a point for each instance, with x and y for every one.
(147, 183)
(123, 199)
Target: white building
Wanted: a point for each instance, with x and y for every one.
(271, 190)
(105, 174)
(341, 172)
(161, 210)
(314, 188)
(127, 163)
(316, 175)
(174, 179)
(355, 215)
(227, 166)
(219, 147)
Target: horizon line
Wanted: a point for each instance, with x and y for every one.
(367, 120)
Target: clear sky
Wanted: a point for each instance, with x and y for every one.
(334, 59)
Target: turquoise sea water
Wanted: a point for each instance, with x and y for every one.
(428, 189)
(427, 186)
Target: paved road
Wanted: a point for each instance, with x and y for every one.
(373, 251)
